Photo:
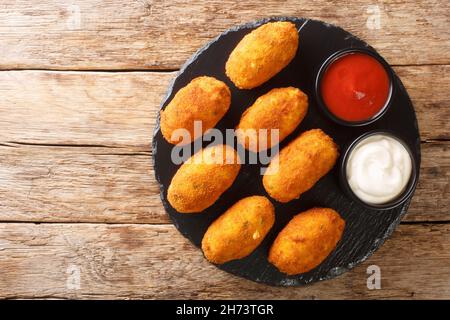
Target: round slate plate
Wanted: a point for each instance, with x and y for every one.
(365, 229)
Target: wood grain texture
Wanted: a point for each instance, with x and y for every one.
(153, 261)
(80, 108)
(149, 34)
(117, 185)
(75, 152)
(120, 109)
(431, 102)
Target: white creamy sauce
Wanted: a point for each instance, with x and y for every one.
(378, 169)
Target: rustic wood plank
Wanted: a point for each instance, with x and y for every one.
(83, 184)
(119, 109)
(431, 102)
(84, 108)
(146, 34)
(117, 185)
(433, 189)
(152, 261)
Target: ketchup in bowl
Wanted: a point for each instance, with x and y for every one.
(354, 87)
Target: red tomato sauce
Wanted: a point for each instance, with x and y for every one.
(355, 87)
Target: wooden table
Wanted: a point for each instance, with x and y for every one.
(80, 87)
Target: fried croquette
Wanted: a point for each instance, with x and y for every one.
(239, 231)
(262, 53)
(204, 99)
(300, 165)
(281, 108)
(306, 240)
(201, 180)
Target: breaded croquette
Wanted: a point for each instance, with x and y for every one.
(262, 53)
(239, 231)
(306, 240)
(204, 99)
(282, 109)
(201, 180)
(300, 165)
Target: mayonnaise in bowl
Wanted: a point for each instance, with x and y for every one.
(378, 169)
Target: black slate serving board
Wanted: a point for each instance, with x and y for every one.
(366, 229)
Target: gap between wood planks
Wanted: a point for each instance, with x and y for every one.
(424, 222)
(162, 70)
(138, 150)
(127, 70)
